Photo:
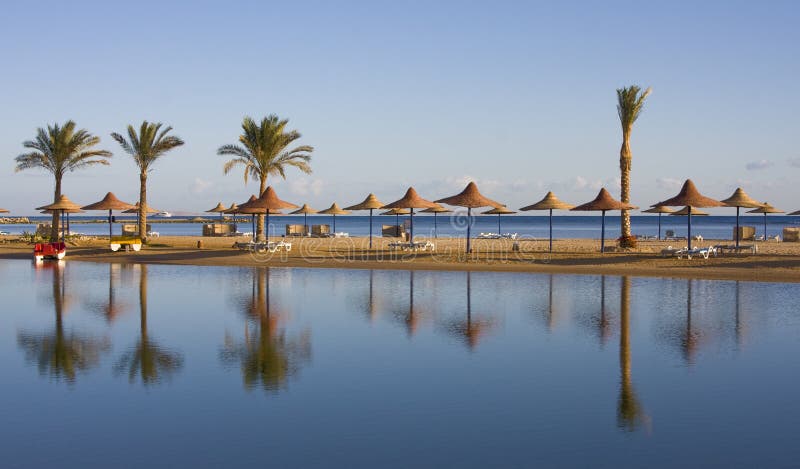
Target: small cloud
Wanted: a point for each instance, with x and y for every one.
(199, 186)
(306, 186)
(669, 183)
(794, 162)
(582, 183)
(758, 165)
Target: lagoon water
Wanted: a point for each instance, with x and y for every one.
(129, 365)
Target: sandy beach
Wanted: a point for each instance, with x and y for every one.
(774, 262)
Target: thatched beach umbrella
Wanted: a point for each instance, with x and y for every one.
(411, 200)
(396, 212)
(110, 202)
(2, 210)
(218, 209)
(244, 208)
(334, 210)
(691, 197)
(435, 211)
(147, 208)
(659, 211)
(603, 203)
(65, 213)
(62, 205)
(470, 198)
(696, 212)
(268, 204)
(765, 209)
(232, 210)
(499, 211)
(370, 203)
(305, 210)
(549, 202)
(740, 199)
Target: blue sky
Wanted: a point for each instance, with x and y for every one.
(519, 96)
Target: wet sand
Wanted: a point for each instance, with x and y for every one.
(774, 262)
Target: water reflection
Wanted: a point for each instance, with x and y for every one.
(629, 410)
(469, 330)
(61, 354)
(112, 309)
(412, 317)
(269, 357)
(147, 360)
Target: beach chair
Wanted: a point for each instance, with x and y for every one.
(295, 230)
(745, 233)
(320, 231)
(696, 252)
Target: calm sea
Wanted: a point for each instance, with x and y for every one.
(564, 226)
(168, 366)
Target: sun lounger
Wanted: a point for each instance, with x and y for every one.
(696, 252)
(4, 233)
(415, 246)
(733, 249)
(341, 234)
(262, 247)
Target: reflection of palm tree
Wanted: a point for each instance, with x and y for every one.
(61, 354)
(147, 359)
(629, 411)
(603, 322)
(269, 358)
(470, 330)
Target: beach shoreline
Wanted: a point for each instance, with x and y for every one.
(775, 262)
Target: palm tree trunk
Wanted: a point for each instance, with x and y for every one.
(56, 214)
(143, 206)
(625, 183)
(260, 226)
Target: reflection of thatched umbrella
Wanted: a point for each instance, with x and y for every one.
(112, 309)
(470, 198)
(218, 209)
(659, 211)
(110, 202)
(396, 212)
(688, 209)
(148, 359)
(690, 196)
(435, 211)
(740, 199)
(550, 202)
(411, 200)
(370, 203)
(305, 210)
(266, 204)
(603, 203)
(765, 209)
(334, 210)
(471, 330)
(63, 204)
(61, 354)
(499, 211)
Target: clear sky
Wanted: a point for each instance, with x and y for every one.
(519, 96)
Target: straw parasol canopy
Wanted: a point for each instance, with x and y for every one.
(148, 209)
(411, 200)
(499, 211)
(218, 209)
(765, 208)
(50, 211)
(690, 196)
(63, 205)
(305, 210)
(370, 203)
(685, 211)
(2, 210)
(233, 209)
(659, 210)
(740, 199)
(603, 203)
(334, 210)
(550, 202)
(435, 211)
(110, 202)
(269, 203)
(396, 211)
(470, 198)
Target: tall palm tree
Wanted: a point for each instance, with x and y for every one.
(263, 152)
(630, 102)
(146, 148)
(60, 149)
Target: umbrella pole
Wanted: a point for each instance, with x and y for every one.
(469, 219)
(305, 224)
(765, 226)
(411, 217)
(689, 236)
(603, 232)
(266, 228)
(370, 228)
(435, 227)
(659, 226)
(737, 229)
(551, 230)
(334, 224)
(234, 223)
(109, 225)
(253, 221)
(63, 237)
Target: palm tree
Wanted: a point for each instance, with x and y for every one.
(630, 102)
(262, 150)
(59, 149)
(148, 146)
